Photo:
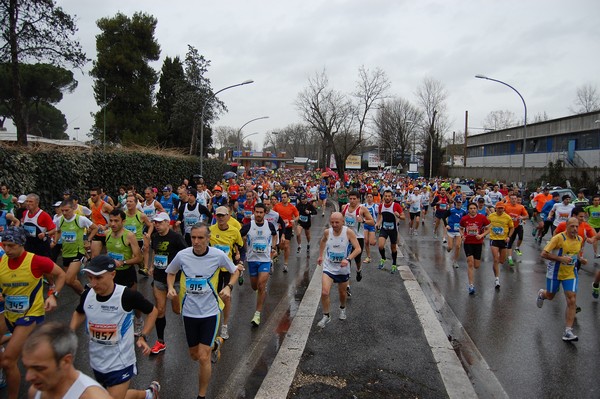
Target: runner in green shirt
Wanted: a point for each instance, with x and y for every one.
(593, 212)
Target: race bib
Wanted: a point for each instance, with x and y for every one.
(595, 214)
(224, 248)
(350, 221)
(443, 206)
(149, 212)
(259, 247)
(104, 334)
(190, 221)
(456, 226)
(389, 225)
(247, 214)
(16, 303)
(131, 228)
(161, 261)
(336, 257)
(30, 230)
(68, 236)
(303, 218)
(116, 256)
(196, 286)
(498, 230)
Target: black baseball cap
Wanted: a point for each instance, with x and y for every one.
(100, 264)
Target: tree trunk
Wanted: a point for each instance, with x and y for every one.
(18, 118)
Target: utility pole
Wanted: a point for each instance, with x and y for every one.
(466, 136)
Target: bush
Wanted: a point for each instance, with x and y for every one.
(48, 171)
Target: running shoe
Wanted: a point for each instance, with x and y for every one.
(348, 292)
(595, 291)
(569, 336)
(511, 262)
(471, 289)
(224, 331)
(298, 250)
(342, 314)
(216, 350)
(285, 267)
(394, 269)
(578, 309)
(158, 348)
(455, 264)
(153, 389)
(497, 283)
(540, 299)
(597, 256)
(415, 233)
(143, 271)
(256, 319)
(518, 252)
(435, 235)
(358, 275)
(324, 321)
(367, 260)
(381, 263)
(444, 241)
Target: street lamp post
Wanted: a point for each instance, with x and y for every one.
(202, 122)
(524, 122)
(105, 104)
(241, 141)
(239, 133)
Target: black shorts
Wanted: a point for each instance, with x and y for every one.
(517, 233)
(126, 277)
(224, 278)
(597, 229)
(288, 233)
(361, 243)
(414, 215)
(337, 278)
(499, 244)
(68, 261)
(304, 225)
(473, 250)
(102, 239)
(391, 234)
(200, 330)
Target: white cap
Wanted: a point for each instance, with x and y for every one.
(22, 198)
(57, 203)
(161, 217)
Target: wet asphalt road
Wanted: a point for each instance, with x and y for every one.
(245, 357)
(521, 343)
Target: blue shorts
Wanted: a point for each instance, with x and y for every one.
(258, 267)
(24, 321)
(369, 228)
(117, 377)
(553, 285)
(322, 197)
(338, 278)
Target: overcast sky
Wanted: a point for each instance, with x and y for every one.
(545, 49)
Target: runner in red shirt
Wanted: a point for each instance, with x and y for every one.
(473, 227)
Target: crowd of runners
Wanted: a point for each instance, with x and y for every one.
(198, 241)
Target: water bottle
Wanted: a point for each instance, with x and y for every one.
(241, 278)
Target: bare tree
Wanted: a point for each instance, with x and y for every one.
(396, 127)
(296, 140)
(370, 89)
(431, 96)
(497, 120)
(327, 112)
(587, 99)
(540, 117)
(340, 122)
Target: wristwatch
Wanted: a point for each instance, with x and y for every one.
(143, 336)
(230, 287)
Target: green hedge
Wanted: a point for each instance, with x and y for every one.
(49, 171)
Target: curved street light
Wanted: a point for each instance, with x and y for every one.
(240, 142)
(202, 122)
(239, 133)
(524, 122)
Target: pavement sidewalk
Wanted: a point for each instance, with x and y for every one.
(391, 344)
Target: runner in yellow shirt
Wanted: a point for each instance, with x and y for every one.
(501, 228)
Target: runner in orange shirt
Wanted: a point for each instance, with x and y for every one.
(538, 201)
(289, 214)
(517, 213)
